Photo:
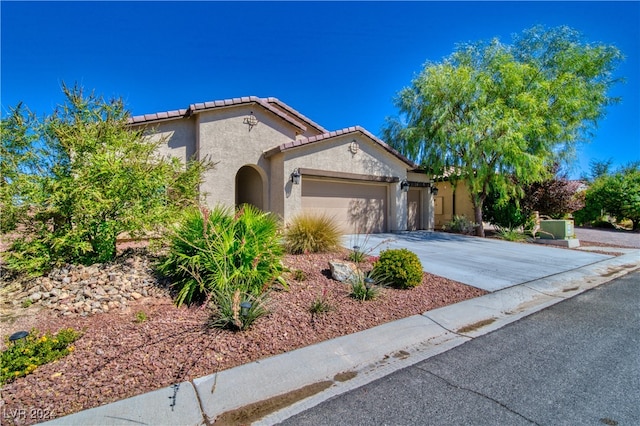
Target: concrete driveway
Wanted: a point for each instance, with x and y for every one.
(484, 263)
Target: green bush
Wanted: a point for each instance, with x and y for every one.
(23, 357)
(76, 179)
(222, 249)
(511, 234)
(461, 225)
(312, 234)
(400, 268)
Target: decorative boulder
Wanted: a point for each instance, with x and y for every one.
(344, 271)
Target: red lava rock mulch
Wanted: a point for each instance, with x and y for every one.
(118, 357)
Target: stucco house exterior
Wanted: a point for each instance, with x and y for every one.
(451, 200)
(270, 155)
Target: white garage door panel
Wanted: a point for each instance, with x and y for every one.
(357, 207)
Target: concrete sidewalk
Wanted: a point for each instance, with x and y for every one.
(336, 366)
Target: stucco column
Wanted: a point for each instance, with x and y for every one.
(292, 200)
(429, 210)
(398, 209)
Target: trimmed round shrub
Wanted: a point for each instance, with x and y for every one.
(399, 268)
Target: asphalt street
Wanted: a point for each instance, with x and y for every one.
(576, 362)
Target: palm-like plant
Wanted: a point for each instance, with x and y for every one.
(222, 249)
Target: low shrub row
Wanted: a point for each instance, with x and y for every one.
(231, 259)
(24, 356)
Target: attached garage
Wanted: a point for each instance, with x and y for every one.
(358, 207)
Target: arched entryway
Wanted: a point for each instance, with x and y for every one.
(250, 187)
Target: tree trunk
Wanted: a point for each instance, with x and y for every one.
(478, 219)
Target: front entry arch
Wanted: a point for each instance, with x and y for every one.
(250, 187)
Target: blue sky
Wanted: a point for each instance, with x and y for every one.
(339, 63)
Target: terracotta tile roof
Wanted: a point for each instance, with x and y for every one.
(302, 117)
(329, 135)
(204, 106)
(158, 116)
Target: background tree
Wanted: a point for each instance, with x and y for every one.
(498, 116)
(78, 178)
(598, 168)
(616, 194)
(556, 197)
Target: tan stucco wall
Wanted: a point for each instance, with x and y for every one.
(222, 136)
(226, 139)
(462, 204)
(334, 155)
(178, 135)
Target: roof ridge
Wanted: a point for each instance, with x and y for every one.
(294, 111)
(202, 106)
(328, 135)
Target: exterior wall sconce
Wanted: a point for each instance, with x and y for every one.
(434, 190)
(295, 177)
(251, 120)
(404, 185)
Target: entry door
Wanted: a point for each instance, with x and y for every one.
(414, 210)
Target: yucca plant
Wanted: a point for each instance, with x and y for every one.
(309, 233)
(220, 249)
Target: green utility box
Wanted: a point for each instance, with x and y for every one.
(556, 229)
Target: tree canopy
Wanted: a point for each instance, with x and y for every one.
(616, 194)
(76, 179)
(499, 116)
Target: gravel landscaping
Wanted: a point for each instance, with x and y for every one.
(135, 340)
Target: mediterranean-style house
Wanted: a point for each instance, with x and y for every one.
(270, 155)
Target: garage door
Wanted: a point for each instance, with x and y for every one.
(357, 207)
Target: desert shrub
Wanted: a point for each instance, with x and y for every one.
(603, 223)
(312, 234)
(511, 234)
(229, 312)
(74, 180)
(357, 256)
(24, 357)
(141, 316)
(400, 268)
(321, 304)
(222, 249)
(299, 275)
(461, 225)
(362, 289)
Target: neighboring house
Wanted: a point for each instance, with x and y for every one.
(273, 157)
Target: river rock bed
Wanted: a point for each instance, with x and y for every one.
(86, 290)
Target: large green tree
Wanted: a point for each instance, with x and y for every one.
(617, 194)
(76, 179)
(498, 116)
